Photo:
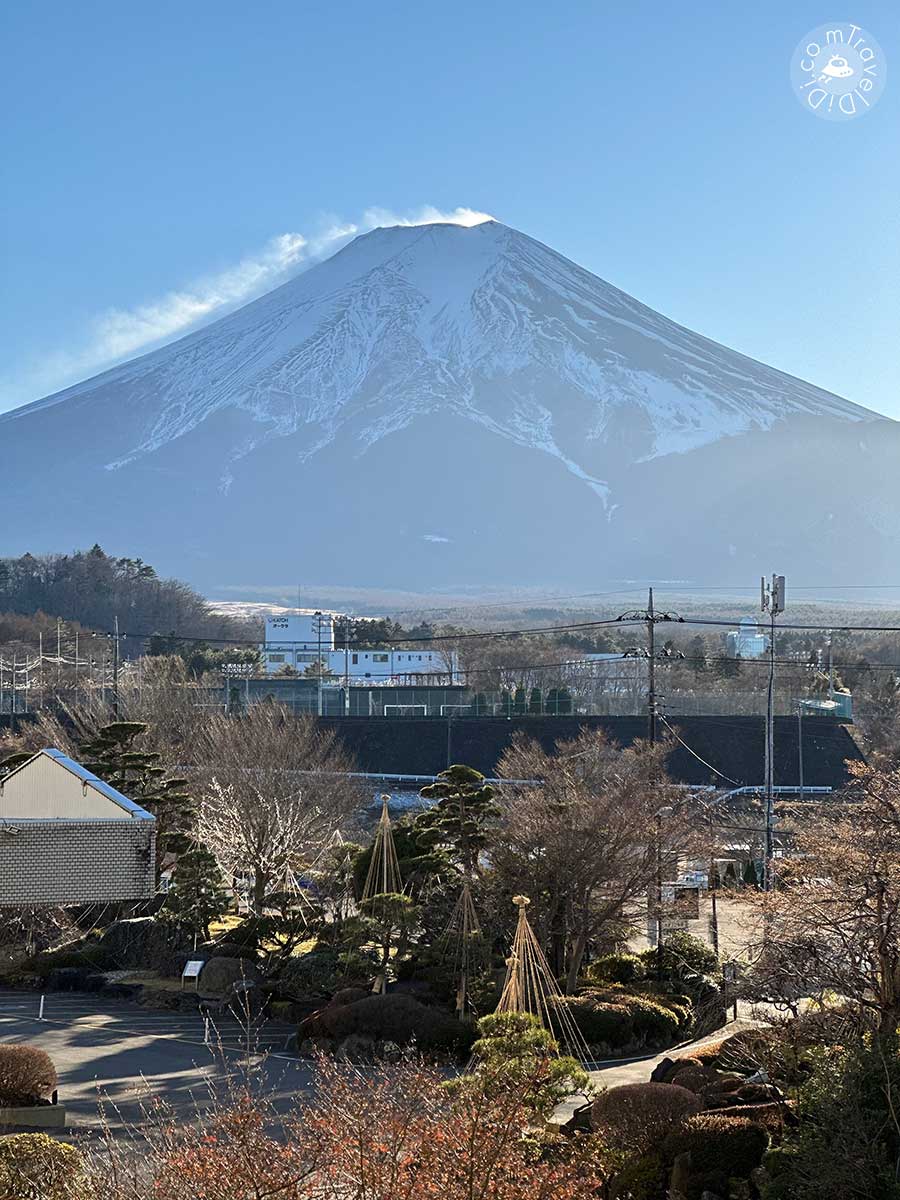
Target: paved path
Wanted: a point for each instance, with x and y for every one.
(618, 1071)
(124, 1053)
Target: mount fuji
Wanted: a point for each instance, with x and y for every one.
(443, 405)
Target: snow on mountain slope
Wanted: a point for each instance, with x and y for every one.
(484, 322)
(440, 404)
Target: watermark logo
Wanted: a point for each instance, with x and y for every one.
(838, 72)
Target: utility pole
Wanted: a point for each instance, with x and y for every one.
(58, 653)
(115, 703)
(800, 745)
(651, 677)
(347, 665)
(772, 602)
(651, 617)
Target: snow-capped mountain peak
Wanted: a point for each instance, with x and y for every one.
(441, 378)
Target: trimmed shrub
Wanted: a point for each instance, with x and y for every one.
(27, 1075)
(228, 950)
(599, 1022)
(82, 956)
(635, 1017)
(682, 953)
(34, 1166)
(617, 968)
(321, 973)
(642, 1179)
(694, 1079)
(348, 995)
(721, 1148)
(146, 943)
(397, 1019)
(637, 1116)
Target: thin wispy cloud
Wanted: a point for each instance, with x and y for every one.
(121, 333)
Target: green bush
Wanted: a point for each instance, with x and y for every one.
(617, 968)
(228, 949)
(397, 1019)
(599, 1022)
(637, 1116)
(90, 955)
(642, 1179)
(846, 1143)
(27, 1075)
(147, 943)
(321, 972)
(618, 1017)
(34, 1166)
(681, 953)
(721, 1148)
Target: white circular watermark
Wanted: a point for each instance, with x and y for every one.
(838, 71)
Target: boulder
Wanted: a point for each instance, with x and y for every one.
(664, 1068)
(220, 976)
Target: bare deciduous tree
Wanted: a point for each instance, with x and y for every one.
(584, 844)
(273, 788)
(833, 924)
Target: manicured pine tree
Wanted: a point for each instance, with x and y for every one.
(113, 756)
(197, 896)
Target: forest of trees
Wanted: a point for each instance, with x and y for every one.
(92, 588)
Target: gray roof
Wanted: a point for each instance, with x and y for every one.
(98, 785)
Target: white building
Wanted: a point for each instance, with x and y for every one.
(748, 641)
(302, 641)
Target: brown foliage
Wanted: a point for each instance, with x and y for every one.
(387, 1134)
(27, 1075)
(637, 1116)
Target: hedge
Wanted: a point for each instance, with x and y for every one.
(721, 1148)
(616, 1018)
(90, 955)
(397, 1019)
(637, 1116)
(616, 968)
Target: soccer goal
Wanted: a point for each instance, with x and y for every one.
(406, 710)
(453, 710)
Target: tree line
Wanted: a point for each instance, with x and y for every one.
(92, 588)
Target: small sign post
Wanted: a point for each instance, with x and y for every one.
(192, 970)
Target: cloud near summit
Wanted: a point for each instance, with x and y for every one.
(120, 333)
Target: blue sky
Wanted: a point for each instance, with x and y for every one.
(162, 161)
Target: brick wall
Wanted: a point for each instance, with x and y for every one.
(76, 862)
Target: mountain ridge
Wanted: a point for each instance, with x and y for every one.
(413, 348)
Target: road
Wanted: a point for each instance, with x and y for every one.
(123, 1053)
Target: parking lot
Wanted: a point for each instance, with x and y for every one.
(123, 1054)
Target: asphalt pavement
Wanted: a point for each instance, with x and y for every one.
(124, 1055)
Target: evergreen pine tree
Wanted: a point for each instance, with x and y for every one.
(197, 896)
(457, 824)
(113, 756)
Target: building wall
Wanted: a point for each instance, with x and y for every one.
(76, 862)
(301, 631)
(45, 790)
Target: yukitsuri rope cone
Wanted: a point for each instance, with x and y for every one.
(462, 936)
(383, 878)
(530, 987)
